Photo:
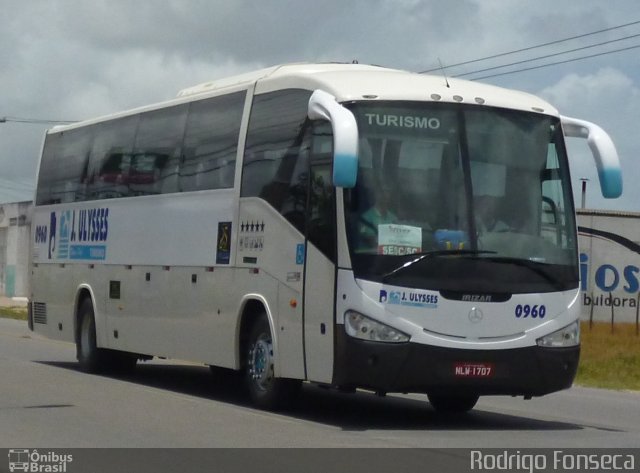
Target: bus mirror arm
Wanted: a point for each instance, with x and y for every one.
(603, 150)
(323, 106)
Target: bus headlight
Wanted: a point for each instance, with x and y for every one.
(364, 328)
(568, 336)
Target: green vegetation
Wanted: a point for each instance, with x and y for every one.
(18, 313)
(609, 360)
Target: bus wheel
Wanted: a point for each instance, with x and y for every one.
(454, 403)
(93, 359)
(266, 391)
(88, 354)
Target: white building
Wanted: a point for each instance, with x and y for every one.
(15, 238)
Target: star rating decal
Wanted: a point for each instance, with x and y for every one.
(252, 226)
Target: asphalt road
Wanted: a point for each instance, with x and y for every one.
(46, 402)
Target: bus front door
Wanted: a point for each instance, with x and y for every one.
(319, 275)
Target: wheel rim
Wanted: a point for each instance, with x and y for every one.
(261, 362)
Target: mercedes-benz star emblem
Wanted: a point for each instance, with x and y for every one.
(475, 315)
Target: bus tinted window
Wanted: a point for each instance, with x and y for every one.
(321, 228)
(49, 172)
(110, 158)
(64, 167)
(211, 143)
(274, 141)
(153, 167)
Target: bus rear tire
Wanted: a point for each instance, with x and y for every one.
(89, 355)
(265, 390)
(451, 404)
(93, 359)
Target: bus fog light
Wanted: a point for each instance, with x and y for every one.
(568, 336)
(358, 326)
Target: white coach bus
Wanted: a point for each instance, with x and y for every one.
(347, 225)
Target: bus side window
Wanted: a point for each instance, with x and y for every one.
(48, 167)
(321, 217)
(158, 146)
(110, 158)
(64, 167)
(276, 153)
(211, 143)
(553, 217)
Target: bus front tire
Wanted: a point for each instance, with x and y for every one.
(265, 390)
(453, 403)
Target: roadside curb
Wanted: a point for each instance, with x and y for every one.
(13, 301)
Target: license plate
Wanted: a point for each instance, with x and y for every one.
(473, 370)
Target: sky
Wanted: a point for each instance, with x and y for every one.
(74, 60)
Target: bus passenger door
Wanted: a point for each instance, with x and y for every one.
(319, 273)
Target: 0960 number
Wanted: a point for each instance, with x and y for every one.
(533, 311)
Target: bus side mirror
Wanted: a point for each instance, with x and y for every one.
(323, 105)
(604, 153)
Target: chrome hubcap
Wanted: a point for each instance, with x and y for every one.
(261, 362)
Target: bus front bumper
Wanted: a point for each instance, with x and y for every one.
(412, 367)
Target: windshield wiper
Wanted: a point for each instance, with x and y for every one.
(430, 254)
(529, 264)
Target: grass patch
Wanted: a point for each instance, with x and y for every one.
(609, 360)
(18, 313)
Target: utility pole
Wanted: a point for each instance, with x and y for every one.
(584, 191)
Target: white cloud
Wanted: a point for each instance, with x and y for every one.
(611, 99)
(589, 93)
(73, 60)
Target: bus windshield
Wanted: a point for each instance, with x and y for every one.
(461, 198)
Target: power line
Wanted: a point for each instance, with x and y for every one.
(35, 121)
(7, 187)
(18, 182)
(556, 63)
(524, 61)
(15, 186)
(529, 48)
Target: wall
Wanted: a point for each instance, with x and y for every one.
(609, 245)
(15, 237)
